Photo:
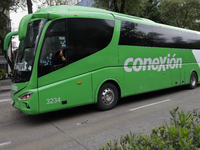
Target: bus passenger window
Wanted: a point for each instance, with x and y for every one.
(54, 42)
(135, 34)
(88, 36)
(188, 40)
(165, 37)
(50, 46)
(58, 27)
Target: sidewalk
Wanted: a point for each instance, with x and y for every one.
(5, 85)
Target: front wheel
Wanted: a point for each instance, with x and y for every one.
(108, 96)
(193, 81)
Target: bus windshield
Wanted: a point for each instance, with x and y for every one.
(26, 52)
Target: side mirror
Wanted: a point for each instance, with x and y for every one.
(7, 39)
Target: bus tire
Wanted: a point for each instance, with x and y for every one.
(108, 96)
(193, 81)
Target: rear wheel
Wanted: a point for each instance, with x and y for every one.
(193, 81)
(108, 96)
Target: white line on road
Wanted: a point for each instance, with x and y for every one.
(5, 100)
(6, 143)
(149, 105)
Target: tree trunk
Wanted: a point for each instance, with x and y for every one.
(110, 4)
(122, 6)
(29, 5)
(10, 62)
(115, 6)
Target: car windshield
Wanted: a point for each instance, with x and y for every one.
(26, 52)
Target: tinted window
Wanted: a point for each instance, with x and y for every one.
(143, 35)
(58, 26)
(135, 34)
(87, 36)
(165, 37)
(198, 41)
(187, 40)
(83, 37)
(55, 39)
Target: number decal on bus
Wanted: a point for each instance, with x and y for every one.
(53, 100)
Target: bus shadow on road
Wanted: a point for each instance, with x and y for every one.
(87, 109)
(152, 95)
(68, 114)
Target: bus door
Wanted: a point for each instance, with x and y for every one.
(60, 85)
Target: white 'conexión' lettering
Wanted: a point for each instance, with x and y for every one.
(159, 64)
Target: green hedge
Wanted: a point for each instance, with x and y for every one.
(182, 133)
(2, 73)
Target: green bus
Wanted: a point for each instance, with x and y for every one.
(70, 56)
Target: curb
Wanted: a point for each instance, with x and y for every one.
(5, 90)
(5, 85)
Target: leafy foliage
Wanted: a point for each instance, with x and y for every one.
(5, 7)
(183, 132)
(181, 13)
(2, 74)
(132, 7)
(152, 11)
(48, 3)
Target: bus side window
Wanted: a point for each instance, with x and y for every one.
(87, 36)
(135, 34)
(188, 40)
(198, 41)
(165, 37)
(55, 40)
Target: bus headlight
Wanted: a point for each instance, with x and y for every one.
(25, 96)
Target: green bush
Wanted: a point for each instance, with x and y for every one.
(2, 74)
(182, 133)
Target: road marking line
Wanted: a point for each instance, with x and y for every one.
(149, 105)
(6, 143)
(5, 100)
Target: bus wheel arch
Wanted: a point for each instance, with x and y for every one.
(193, 80)
(107, 95)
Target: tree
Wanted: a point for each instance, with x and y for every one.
(131, 7)
(29, 6)
(152, 11)
(5, 27)
(5, 6)
(46, 3)
(181, 13)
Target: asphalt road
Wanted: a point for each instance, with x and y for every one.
(86, 127)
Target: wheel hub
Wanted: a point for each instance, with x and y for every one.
(108, 96)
